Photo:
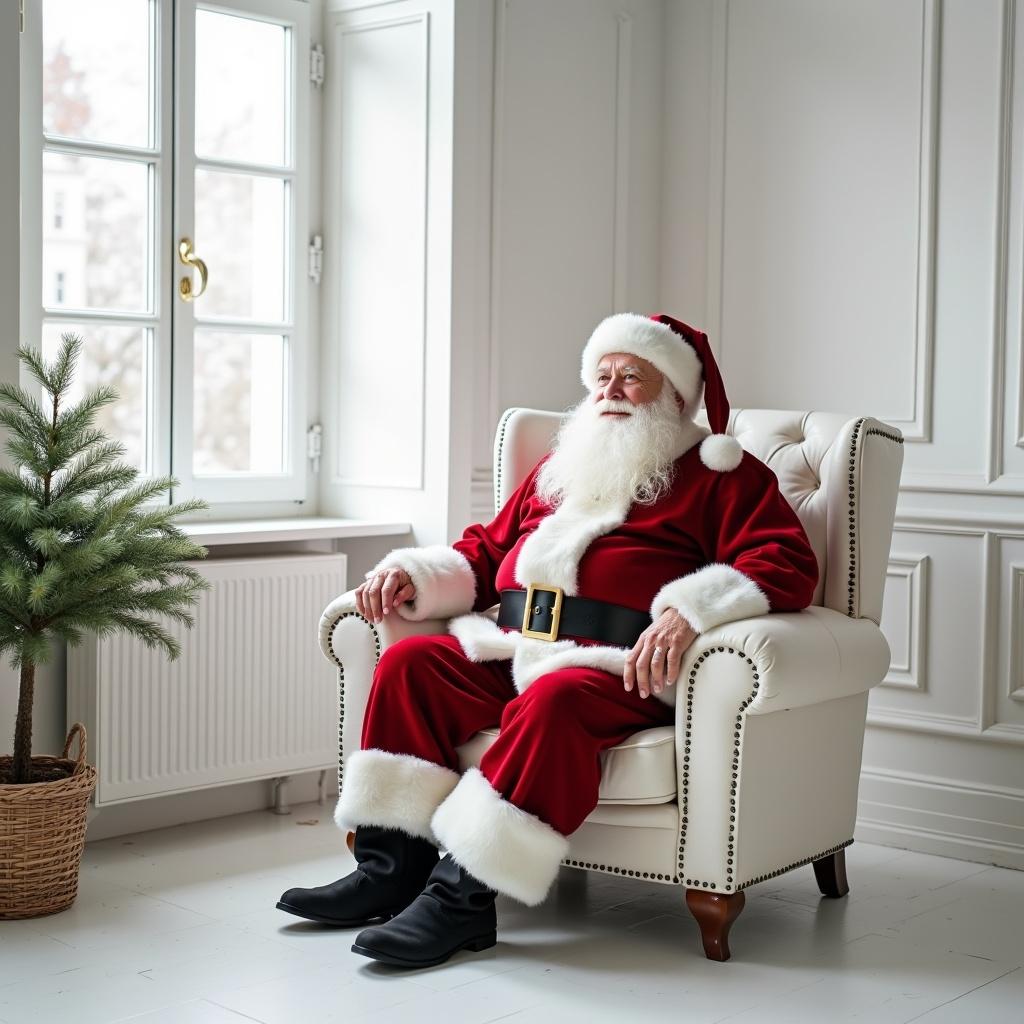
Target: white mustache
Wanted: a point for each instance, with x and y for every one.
(611, 405)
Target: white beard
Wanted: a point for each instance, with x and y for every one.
(616, 460)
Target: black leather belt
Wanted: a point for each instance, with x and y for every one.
(551, 613)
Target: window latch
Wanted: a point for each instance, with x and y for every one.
(316, 258)
(316, 64)
(314, 439)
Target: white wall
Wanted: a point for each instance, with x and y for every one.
(575, 198)
(518, 150)
(834, 214)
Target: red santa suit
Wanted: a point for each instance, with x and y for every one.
(722, 544)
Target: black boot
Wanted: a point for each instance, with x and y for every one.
(454, 911)
(392, 869)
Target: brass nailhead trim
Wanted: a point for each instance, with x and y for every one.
(501, 448)
(796, 864)
(685, 784)
(882, 433)
(612, 869)
(851, 581)
(341, 683)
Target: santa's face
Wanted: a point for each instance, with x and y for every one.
(620, 443)
(623, 380)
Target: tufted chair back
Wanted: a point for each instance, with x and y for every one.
(840, 474)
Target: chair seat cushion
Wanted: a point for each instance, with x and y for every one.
(641, 770)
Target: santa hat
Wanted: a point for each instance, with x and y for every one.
(683, 354)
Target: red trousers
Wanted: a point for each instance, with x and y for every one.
(427, 698)
(507, 821)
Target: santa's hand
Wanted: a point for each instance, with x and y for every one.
(382, 591)
(654, 661)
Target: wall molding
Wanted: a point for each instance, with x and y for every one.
(482, 495)
(716, 174)
(623, 133)
(986, 727)
(497, 184)
(1007, 113)
(959, 523)
(918, 427)
(948, 817)
(931, 722)
(1015, 687)
(1004, 166)
(913, 675)
(1009, 484)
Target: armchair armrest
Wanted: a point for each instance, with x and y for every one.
(384, 634)
(801, 658)
(747, 777)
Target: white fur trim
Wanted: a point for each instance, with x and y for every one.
(444, 581)
(535, 658)
(712, 595)
(503, 846)
(551, 554)
(481, 638)
(656, 342)
(393, 791)
(721, 452)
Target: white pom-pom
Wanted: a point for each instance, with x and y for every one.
(721, 452)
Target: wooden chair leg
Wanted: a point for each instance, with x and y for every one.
(715, 913)
(830, 873)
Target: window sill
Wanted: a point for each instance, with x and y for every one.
(256, 531)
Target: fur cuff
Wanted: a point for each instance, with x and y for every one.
(503, 846)
(444, 581)
(712, 595)
(392, 791)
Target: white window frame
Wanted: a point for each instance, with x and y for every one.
(290, 484)
(170, 427)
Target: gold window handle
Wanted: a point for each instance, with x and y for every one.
(187, 256)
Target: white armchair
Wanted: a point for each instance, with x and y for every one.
(759, 774)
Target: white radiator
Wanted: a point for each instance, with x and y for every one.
(251, 696)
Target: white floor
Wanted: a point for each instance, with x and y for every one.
(178, 926)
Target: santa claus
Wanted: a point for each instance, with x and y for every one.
(637, 531)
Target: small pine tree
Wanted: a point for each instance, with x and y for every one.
(77, 552)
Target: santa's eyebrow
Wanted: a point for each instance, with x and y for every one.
(635, 369)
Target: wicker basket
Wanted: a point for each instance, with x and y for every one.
(42, 835)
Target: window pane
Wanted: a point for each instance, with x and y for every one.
(240, 88)
(95, 216)
(96, 70)
(114, 356)
(238, 412)
(240, 233)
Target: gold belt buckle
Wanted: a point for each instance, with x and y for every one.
(556, 612)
